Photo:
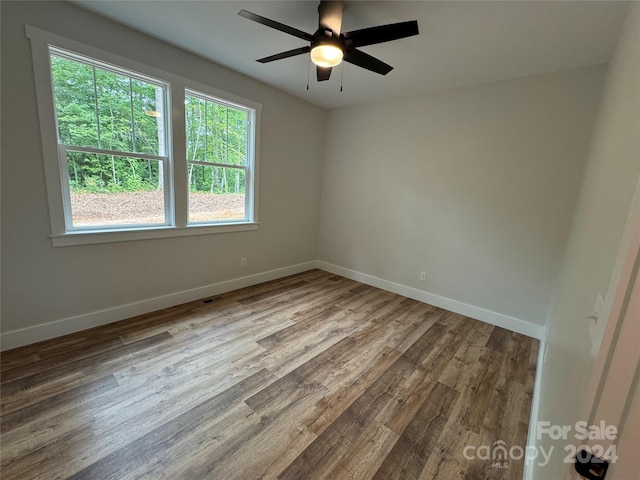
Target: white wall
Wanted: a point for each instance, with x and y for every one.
(475, 186)
(597, 238)
(42, 284)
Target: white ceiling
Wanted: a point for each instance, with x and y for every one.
(460, 43)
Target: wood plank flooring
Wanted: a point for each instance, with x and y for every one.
(307, 377)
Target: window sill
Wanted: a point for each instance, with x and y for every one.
(109, 236)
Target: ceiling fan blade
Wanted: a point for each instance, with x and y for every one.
(280, 56)
(323, 73)
(366, 61)
(277, 25)
(381, 34)
(330, 16)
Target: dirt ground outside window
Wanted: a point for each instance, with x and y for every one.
(147, 207)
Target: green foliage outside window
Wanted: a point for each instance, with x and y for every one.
(216, 133)
(100, 109)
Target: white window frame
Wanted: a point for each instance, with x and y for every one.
(164, 159)
(250, 166)
(176, 194)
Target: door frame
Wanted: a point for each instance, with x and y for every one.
(617, 352)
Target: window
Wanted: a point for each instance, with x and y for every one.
(133, 152)
(111, 141)
(217, 135)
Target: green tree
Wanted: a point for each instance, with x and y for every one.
(101, 109)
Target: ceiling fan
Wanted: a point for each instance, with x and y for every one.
(328, 46)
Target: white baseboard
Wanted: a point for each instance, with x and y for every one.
(510, 323)
(532, 441)
(57, 328)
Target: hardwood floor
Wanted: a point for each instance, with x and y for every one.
(311, 376)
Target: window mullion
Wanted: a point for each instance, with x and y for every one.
(179, 164)
(133, 125)
(66, 190)
(95, 94)
(206, 131)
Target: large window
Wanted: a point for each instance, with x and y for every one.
(112, 143)
(133, 152)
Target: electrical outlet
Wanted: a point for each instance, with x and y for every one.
(243, 262)
(423, 276)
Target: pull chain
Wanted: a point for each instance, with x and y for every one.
(341, 76)
(308, 68)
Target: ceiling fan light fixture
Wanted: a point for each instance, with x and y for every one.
(326, 55)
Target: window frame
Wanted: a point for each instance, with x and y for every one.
(64, 148)
(176, 194)
(248, 168)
